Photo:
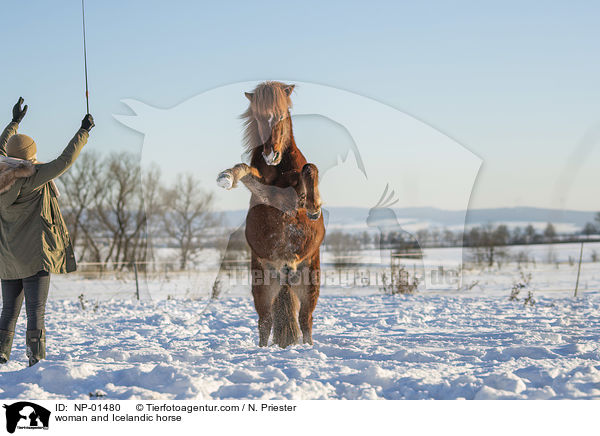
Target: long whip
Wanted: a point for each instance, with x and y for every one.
(87, 93)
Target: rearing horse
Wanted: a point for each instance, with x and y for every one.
(284, 225)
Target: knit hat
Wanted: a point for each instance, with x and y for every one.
(21, 147)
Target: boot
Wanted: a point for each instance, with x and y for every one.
(6, 340)
(36, 346)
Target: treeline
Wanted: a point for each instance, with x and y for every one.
(484, 235)
(592, 228)
(117, 212)
(486, 244)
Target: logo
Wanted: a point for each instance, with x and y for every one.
(26, 415)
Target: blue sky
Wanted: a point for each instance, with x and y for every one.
(514, 82)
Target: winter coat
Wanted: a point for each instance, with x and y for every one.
(33, 234)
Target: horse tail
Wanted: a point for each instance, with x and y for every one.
(285, 324)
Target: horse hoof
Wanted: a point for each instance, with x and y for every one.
(225, 180)
(314, 216)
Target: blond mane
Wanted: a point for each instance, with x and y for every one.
(267, 98)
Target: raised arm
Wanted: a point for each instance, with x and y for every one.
(10, 130)
(48, 171)
(12, 127)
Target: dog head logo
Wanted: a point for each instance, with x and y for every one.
(26, 415)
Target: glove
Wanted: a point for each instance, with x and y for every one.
(87, 123)
(19, 113)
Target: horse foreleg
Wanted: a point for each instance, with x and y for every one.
(284, 199)
(229, 179)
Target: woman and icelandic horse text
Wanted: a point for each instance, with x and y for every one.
(284, 224)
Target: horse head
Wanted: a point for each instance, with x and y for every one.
(268, 121)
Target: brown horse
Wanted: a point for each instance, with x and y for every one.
(284, 225)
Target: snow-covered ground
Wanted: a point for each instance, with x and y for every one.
(473, 344)
(366, 347)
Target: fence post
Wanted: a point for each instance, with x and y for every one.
(137, 283)
(579, 269)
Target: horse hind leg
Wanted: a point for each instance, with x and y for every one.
(263, 292)
(308, 302)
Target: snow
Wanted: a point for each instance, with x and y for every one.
(471, 344)
(366, 347)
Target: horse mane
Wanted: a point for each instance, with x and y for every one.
(269, 97)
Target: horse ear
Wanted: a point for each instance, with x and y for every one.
(249, 95)
(288, 89)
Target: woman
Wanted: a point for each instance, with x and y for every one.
(34, 241)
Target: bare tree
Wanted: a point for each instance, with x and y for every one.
(530, 234)
(151, 183)
(550, 232)
(343, 246)
(119, 212)
(116, 210)
(518, 236)
(80, 186)
(365, 240)
(423, 237)
(435, 236)
(449, 238)
(488, 242)
(589, 229)
(186, 213)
